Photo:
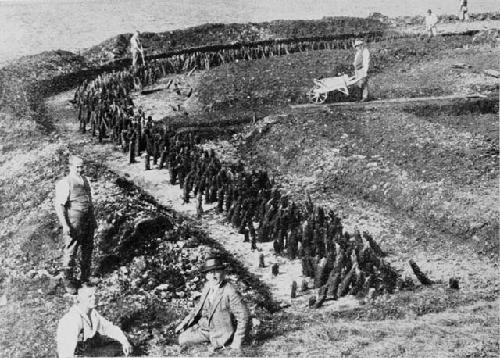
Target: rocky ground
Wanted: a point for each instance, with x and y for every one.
(149, 246)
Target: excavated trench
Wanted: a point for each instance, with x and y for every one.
(143, 245)
(147, 258)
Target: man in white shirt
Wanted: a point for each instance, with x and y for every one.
(74, 208)
(430, 23)
(136, 49)
(361, 65)
(464, 12)
(79, 331)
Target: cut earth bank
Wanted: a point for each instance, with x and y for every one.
(305, 150)
(431, 322)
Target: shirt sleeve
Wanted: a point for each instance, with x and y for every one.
(62, 192)
(107, 328)
(67, 337)
(366, 62)
(240, 312)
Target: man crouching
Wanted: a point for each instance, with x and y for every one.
(220, 317)
(80, 330)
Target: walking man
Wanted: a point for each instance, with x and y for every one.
(81, 330)
(361, 66)
(430, 24)
(73, 206)
(464, 12)
(220, 317)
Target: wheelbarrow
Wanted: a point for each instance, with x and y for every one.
(319, 93)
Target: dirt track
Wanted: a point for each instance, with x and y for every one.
(439, 261)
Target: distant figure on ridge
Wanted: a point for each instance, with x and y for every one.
(136, 49)
(220, 317)
(430, 23)
(464, 12)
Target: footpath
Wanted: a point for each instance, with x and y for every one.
(356, 215)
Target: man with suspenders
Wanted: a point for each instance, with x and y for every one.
(74, 208)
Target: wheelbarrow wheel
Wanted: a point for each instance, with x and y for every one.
(319, 98)
(315, 97)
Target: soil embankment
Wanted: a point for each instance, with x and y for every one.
(418, 147)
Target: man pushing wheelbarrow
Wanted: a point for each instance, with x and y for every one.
(342, 83)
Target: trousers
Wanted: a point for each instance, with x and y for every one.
(98, 347)
(363, 85)
(81, 237)
(194, 335)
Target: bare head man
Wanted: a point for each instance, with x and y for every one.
(76, 165)
(86, 297)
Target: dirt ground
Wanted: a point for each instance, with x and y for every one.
(302, 151)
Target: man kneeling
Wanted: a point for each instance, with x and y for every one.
(80, 330)
(220, 317)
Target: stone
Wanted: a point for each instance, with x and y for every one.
(163, 287)
(492, 73)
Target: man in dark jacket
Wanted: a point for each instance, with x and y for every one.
(220, 317)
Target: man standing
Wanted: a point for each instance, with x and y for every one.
(73, 206)
(430, 23)
(464, 12)
(220, 317)
(361, 66)
(136, 49)
(80, 330)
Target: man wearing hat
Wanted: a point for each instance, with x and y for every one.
(361, 65)
(220, 317)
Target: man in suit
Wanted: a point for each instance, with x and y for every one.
(220, 317)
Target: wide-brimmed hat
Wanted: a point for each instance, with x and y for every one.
(358, 42)
(212, 264)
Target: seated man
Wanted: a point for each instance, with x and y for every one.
(77, 330)
(220, 317)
